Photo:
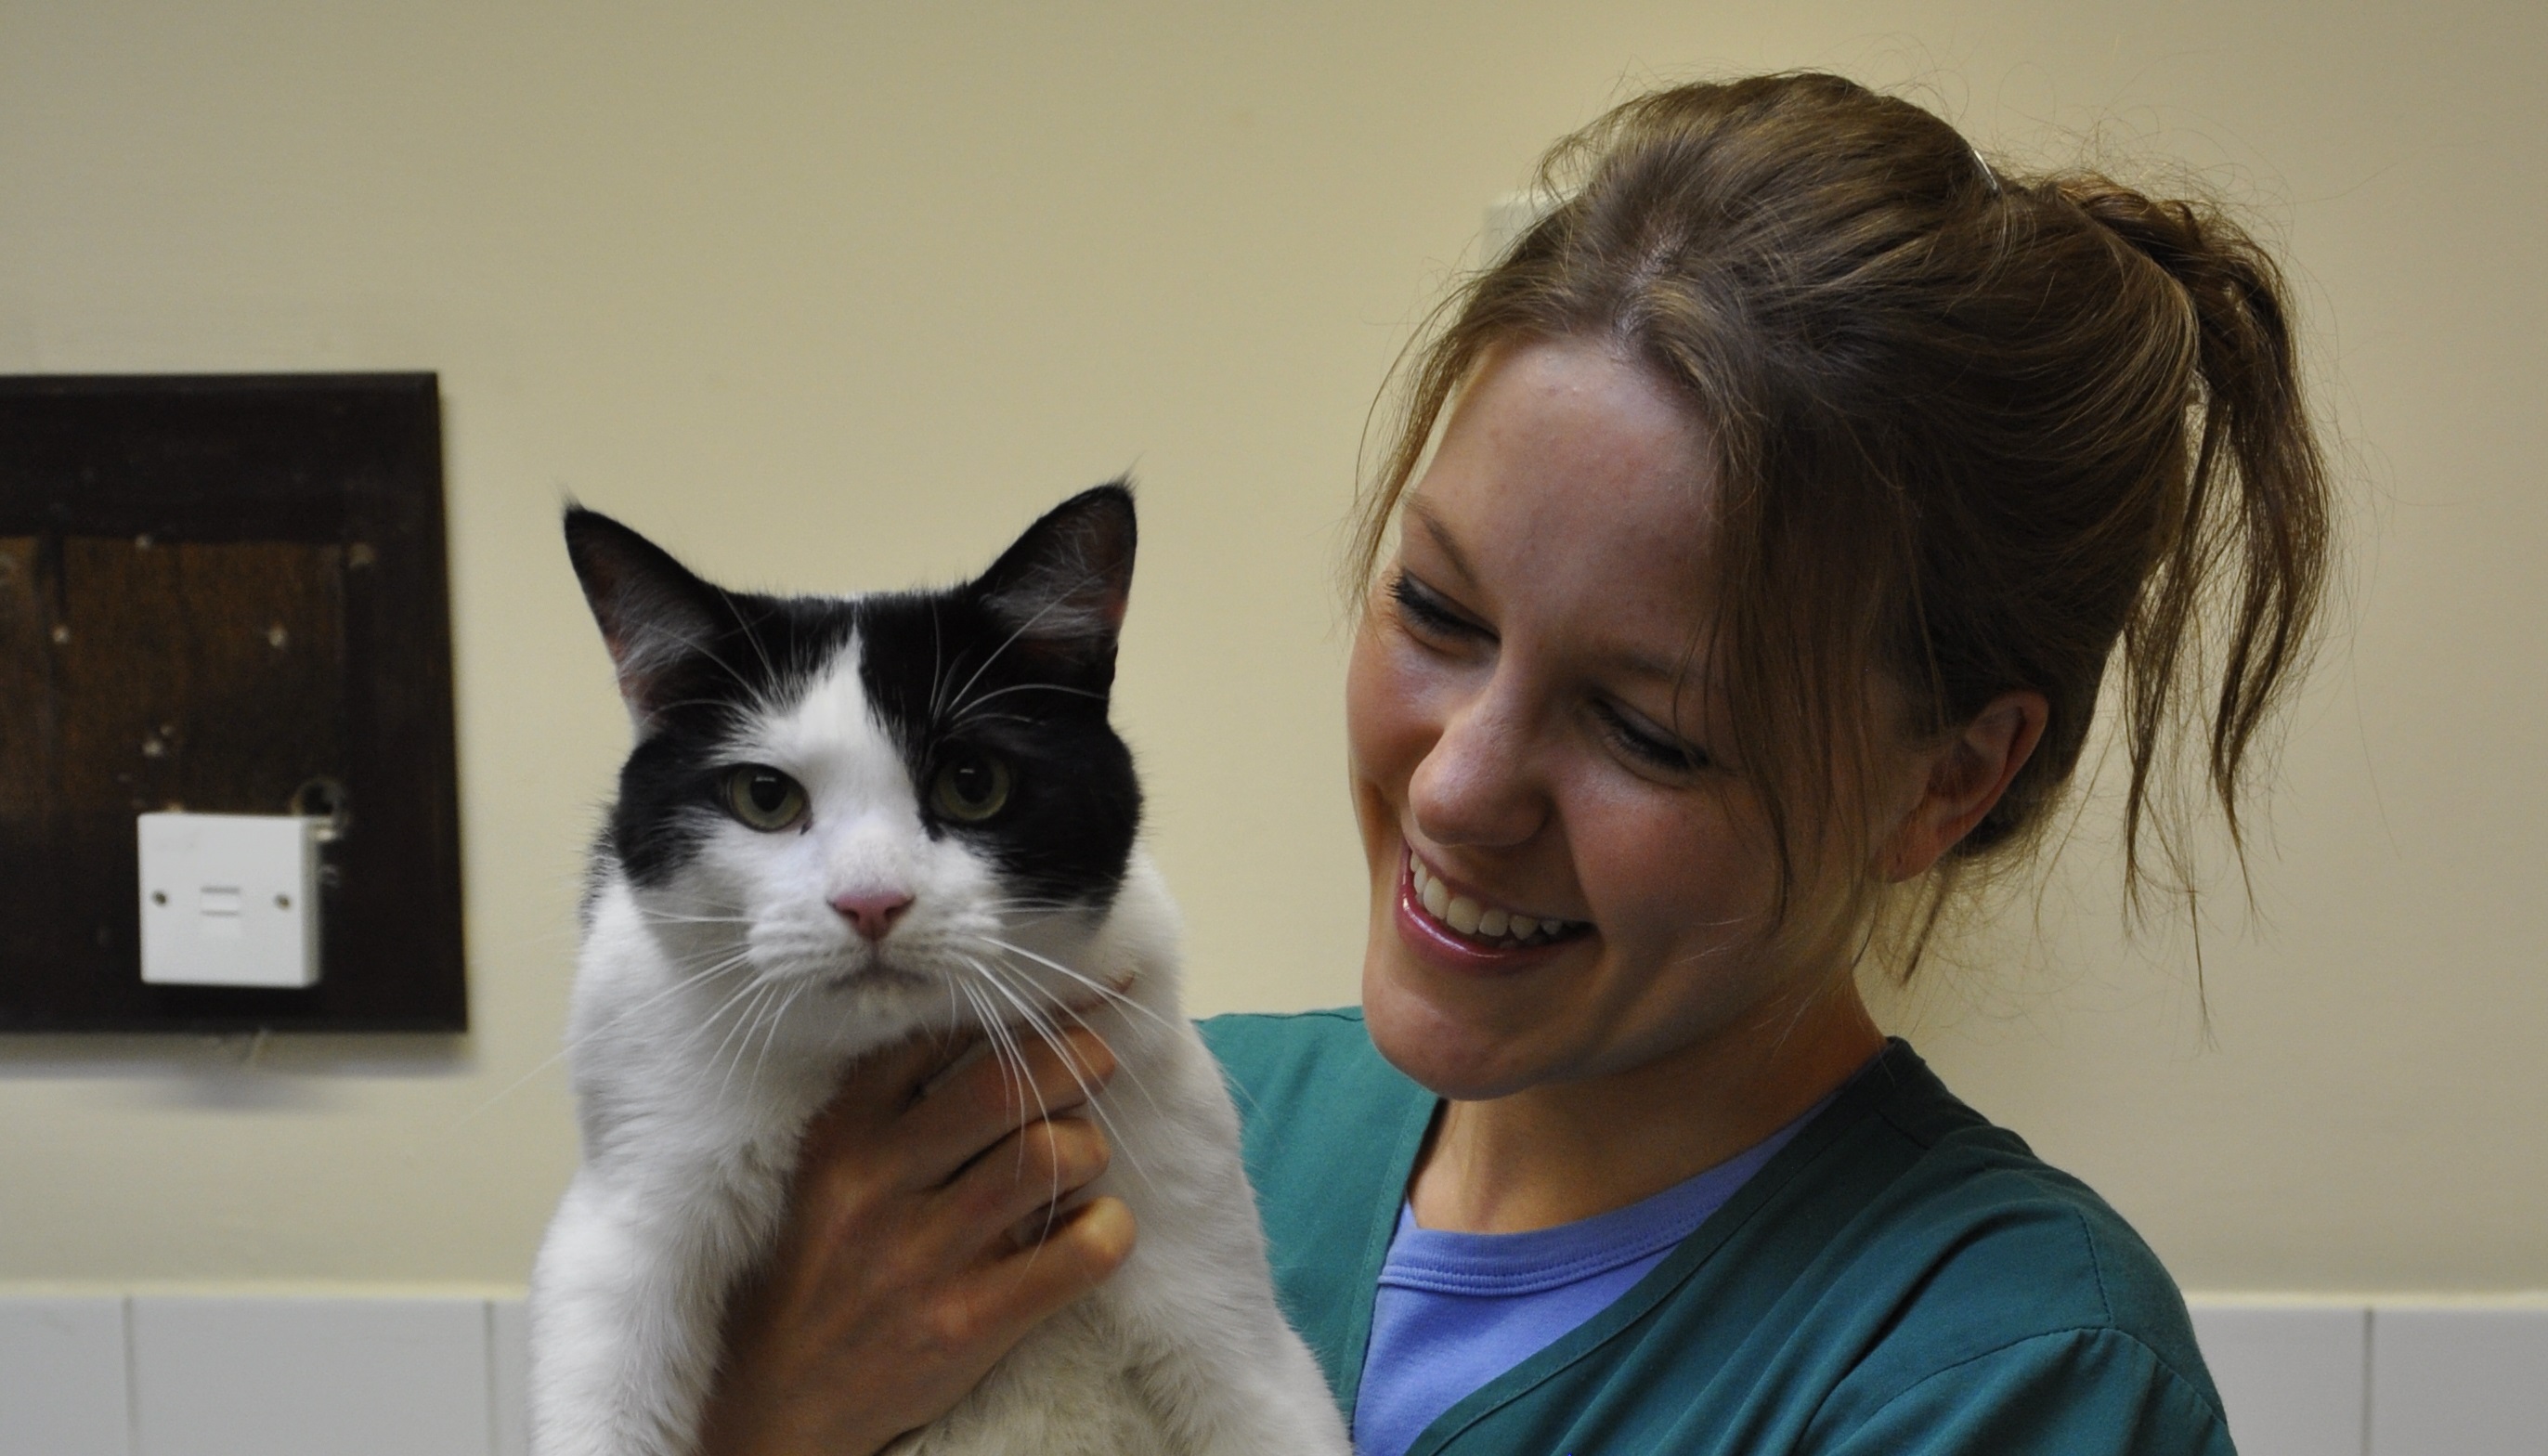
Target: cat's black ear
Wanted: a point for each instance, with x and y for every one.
(654, 613)
(1062, 587)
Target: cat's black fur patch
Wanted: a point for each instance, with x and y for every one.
(1019, 663)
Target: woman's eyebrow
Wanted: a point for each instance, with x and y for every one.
(1629, 661)
(1440, 535)
(1684, 669)
(1648, 667)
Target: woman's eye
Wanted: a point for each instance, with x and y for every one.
(1651, 748)
(763, 798)
(971, 787)
(1426, 611)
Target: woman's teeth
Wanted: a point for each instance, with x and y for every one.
(1482, 921)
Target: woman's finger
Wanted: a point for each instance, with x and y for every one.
(882, 1087)
(986, 1102)
(1039, 1165)
(1013, 1292)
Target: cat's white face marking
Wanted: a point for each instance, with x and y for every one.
(863, 827)
(863, 835)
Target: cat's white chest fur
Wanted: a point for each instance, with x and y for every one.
(1182, 1352)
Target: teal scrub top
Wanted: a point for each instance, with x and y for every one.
(1902, 1278)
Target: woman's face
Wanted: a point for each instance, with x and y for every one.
(1530, 748)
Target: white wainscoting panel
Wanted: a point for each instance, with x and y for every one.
(2291, 1375)
(508, 1372)
(389, 1374)
(62, 1390)
(221, 1376)
(2459, 1380)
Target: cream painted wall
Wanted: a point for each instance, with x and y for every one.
(834, 296)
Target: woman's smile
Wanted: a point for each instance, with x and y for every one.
(1474, 914)
(1463, 930)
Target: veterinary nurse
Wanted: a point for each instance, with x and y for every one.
(1756, 541)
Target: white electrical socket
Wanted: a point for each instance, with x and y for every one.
(229, 899)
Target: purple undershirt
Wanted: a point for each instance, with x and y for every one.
(1457, 1310)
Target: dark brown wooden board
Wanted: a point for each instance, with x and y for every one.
(222, 593)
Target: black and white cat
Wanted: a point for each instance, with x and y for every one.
(845, 821)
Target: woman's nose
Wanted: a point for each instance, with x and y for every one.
(1475, 786)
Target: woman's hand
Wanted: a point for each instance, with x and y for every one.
(901, 1276)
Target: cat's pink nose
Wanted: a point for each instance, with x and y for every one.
(871, 915)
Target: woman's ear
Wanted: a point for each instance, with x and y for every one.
(1962, 779)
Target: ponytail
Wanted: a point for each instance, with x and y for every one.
(2249, 537)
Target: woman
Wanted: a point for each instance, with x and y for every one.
(1765, 525)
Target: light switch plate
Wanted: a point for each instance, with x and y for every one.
(230, 900)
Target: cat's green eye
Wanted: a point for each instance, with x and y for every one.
(762, 797)
(971, 787)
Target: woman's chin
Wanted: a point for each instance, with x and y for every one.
(1445, 1050)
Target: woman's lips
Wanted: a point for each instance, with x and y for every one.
(1438, 940)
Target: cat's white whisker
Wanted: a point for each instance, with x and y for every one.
(1036, 687)
(1043, 1026)
(736, 1002)
(762, 1016)
(1044, 1109)
(1026, 1085)
(691, 643)
(1027, 912)
(686, 979)
(1128, 1068)
(1125, 1070)
(970, 711)
(988, 1023)
(753, 1020)
(1004, 1047)
(750, 634)
(1013, 1065)
(1051, 1035)
(749, 992)
(669, 917)
(769, 1040)
(689, 978)
(706, 963)
(718, 703)
(936, 662)
(570, 1042)
(1110, 993)
(1048, 609)
(1107, 995)
(748, 1022)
